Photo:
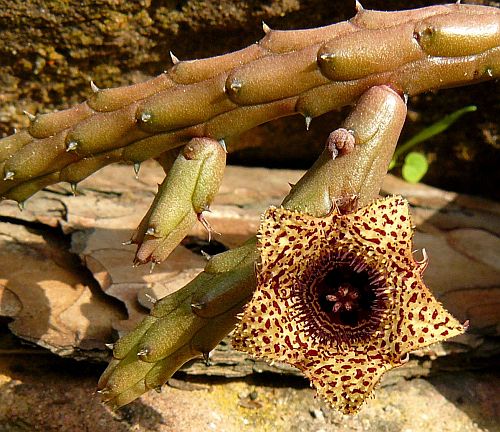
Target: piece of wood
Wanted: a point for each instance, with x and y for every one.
(459, 233)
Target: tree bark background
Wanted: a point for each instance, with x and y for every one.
(51, 49)
(67, 281)
(67, 284)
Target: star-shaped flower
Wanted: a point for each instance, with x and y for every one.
(341, 298)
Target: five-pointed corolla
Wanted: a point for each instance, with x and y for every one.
(341, 298)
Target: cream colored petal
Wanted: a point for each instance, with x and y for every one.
(288, 238)
(421, 319)
(383, 227)
(347, 379)
(286, 322)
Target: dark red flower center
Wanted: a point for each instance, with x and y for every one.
(341, 299)
(345, 295)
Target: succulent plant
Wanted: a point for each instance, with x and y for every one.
(184, 117)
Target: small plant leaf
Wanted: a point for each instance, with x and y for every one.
(415, 166)
(439, 126)
(427, 133)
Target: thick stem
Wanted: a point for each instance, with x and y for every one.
(376, 123)
(193, 320)
(307, 72)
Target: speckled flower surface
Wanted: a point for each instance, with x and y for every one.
(341, 298)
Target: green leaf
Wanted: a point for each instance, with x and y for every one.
(415, 166)
(432, 130)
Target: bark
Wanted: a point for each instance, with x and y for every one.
(78, 307)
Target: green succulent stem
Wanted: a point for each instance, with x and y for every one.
(376, 123)
(192, 321)
(192, 181)
(306, 72)
(366, 62)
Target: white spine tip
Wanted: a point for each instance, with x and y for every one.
(235, 86)
(152, 266)
(145, 117)
(150, 298)
(72, 145)
(197, 306)
(137, 167)
(223, 144)
(142, 352)
(30, 116)
(127, 243)
(73, 188)
(150, 231)
(308, 122)
(206, 357)
(94, 88)
(359, 6)
(110, 346)
(206, 255)
(175, 60)
(207, 226)
(266, 28)
(327, 56)
(9, 175)
(20, 204)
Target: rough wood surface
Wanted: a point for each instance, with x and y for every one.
(58, 303)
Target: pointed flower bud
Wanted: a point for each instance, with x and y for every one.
(186, 192)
